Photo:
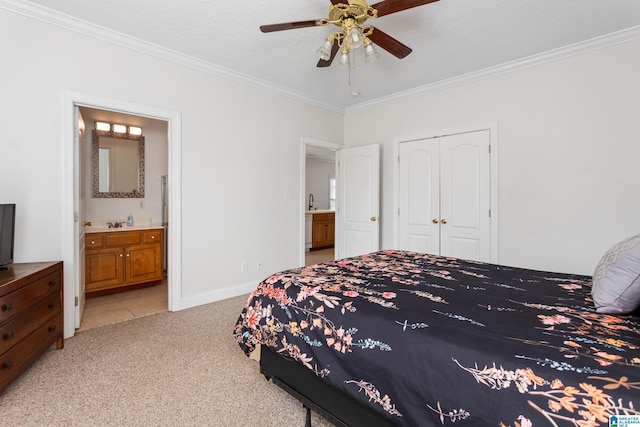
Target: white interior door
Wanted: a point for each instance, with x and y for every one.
(79, 147)
(444, 195)
(358, 201)
(465, 228)
(419, 200)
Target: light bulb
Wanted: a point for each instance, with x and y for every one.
(344, 60)
(355, 39)
(325, 50)
(370, 53)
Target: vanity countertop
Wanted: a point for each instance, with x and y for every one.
(320, 211)
(88, 230)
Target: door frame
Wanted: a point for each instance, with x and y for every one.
(304, 142)
(69, 241)
(492, 127)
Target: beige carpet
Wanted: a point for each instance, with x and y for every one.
(167, 369)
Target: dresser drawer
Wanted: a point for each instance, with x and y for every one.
(12, 303)
(12, 332)
(13, 362)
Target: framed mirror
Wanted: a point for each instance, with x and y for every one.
(117, 165)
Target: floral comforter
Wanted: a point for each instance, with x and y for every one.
(429, 340)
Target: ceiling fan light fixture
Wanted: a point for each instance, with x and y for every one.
(370, 53)
(344, 60)
(325, 50)
(355, 38)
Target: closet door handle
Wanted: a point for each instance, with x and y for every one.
(434, 220)
(444, 221)
(373, 219)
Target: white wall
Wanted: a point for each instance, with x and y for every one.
(568, 132)
(318, 172)
(234, 176)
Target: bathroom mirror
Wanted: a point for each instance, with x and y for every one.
(117, 162)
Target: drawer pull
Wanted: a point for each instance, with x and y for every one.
(53, 282)
(52, 306)
(7, 307)
(7, 336)
(52, 328)
(153, 237)
(7, 365)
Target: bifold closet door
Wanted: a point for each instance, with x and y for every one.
(444, 196)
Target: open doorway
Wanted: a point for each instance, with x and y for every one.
(111, 294)
(318, 194)
(72, 220)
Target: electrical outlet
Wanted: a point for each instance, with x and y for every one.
(259, 264)
(244, 267)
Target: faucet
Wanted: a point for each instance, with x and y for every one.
(310, 201)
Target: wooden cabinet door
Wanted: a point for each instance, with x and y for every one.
(331, 230)
(143, 263)
(318, 233)
(104, 268)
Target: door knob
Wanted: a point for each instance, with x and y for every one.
(373, 218)
(434, 220)
(444, 221)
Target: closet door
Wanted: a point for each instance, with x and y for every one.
(465, 196)
(419, 198)
(444, 196)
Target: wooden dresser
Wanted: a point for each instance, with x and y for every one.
(122, 260)
(31, 315)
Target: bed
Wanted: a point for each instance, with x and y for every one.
(411, 339)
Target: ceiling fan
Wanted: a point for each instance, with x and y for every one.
(351, 17)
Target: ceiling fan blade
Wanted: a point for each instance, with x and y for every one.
(287, 26)
(388, 7)
(389, 44)
(334, 50)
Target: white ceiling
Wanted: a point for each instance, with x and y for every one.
(449, 38)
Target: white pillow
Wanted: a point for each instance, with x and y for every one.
(616, 281)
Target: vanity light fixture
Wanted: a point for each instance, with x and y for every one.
(119, 128)
(115, 128)
(103, 126)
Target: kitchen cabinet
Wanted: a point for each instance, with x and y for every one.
(122, 260)
(323, 230)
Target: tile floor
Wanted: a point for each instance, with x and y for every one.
(321, 255)
(114, 308)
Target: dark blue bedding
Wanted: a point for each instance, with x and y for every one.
(428, 340)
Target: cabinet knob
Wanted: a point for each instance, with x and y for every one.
(128, 255)
(373, 219)
(434, 220)
(444, 221)
(7, 336)
(52, 328)
(7, 307)
(121, 255)
(6, 365)
(93, 242)
(153, 237)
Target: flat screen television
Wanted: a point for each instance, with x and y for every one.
(7, 230)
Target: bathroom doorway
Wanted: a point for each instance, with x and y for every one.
(146, 209)
(73, 175)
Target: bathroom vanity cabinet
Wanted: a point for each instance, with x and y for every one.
(116, 261)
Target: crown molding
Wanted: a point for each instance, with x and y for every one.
(529, 61)
(92, 30)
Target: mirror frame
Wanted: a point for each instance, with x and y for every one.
(95, 161)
